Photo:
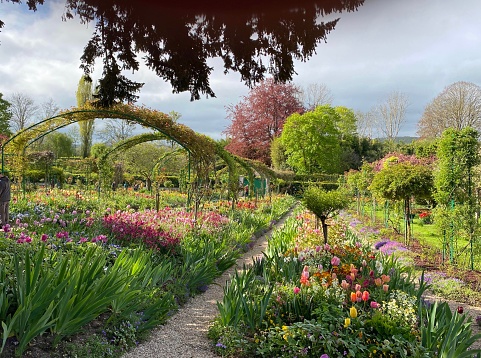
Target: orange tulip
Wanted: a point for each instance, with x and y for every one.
(353, 297)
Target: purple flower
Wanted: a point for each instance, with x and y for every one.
(324, 356)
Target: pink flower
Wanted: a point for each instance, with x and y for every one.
(374, 304)
(385, 288)
(296, 290)
(357, 287)
(44, 237)
(345, 285)
(335, 261)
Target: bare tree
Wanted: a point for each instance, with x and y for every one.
(23, 111)
(315, 95)
(366, 122)
(48, 109)
(116, 130)
(458, 106)
(391, 115)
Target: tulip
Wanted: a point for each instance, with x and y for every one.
(358, 296)
(353, 297)
(378, 282)
(347, 322)
(345, 285)
(357, 287)
(335, 261)
(385, 288)
(385, 278)
(365, 296)
(297, 290)
(374, 304)
(460, 309)
(353, 312)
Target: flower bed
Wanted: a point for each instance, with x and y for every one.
(65, 266)
(344, 299)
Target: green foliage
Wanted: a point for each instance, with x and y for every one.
(59, 143)
(455, 214)
(402, 180)
(5, 116)
(324, 203)
(445, 332)
(457, 155)
(311, 141)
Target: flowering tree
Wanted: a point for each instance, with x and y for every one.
(259, 118)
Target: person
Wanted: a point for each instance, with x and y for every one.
(4, 199)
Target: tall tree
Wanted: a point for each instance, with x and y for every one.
(180, 39)
(86, 128)
(311, 141)
(259, 118)
(458, 106)
(392, 115)
(23, 109)
(316, 94)
(5, 116)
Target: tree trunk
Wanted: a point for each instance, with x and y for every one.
(324, 228)
(407, 221)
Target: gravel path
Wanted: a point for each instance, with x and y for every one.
(184, 335)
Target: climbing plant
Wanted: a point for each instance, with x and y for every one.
(455, 213)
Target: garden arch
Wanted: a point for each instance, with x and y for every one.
(201, 148)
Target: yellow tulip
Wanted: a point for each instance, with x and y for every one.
(353, 312)
(347, 322)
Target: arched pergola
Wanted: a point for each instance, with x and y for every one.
(201, 148)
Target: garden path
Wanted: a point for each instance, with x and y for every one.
(184, 335)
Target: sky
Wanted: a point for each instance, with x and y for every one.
(416, 47)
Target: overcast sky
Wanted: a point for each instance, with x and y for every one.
(417, 47)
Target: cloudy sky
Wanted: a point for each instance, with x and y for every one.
(417, 47)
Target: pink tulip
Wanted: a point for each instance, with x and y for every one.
(335, 261)
(296, 290)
